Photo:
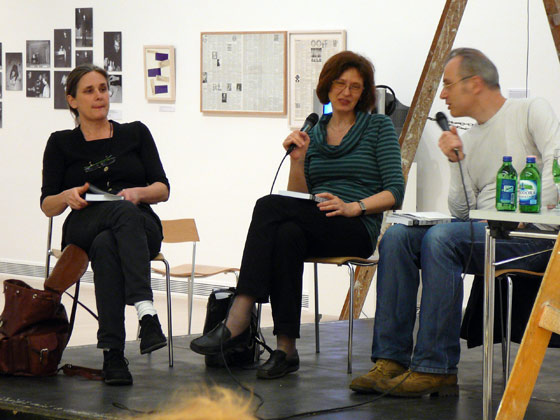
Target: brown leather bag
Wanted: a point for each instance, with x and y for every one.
(34, 327)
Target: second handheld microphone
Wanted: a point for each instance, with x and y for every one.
(309, 123)
(441, 120)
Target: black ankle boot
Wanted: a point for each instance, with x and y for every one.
(278, 365)
(115, 368)
(218, 339)
(151, 336)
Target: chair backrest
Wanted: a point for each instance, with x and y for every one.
(179, 230)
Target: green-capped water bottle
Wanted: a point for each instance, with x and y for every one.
(506, 186)
(529, 188)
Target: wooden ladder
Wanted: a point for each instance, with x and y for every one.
(544, 320)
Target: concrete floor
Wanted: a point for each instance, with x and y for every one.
(320, 384)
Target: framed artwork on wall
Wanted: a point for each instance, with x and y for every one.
(38, 54)
(308, 53)
(243, 73)
(84, 27)
(62, 48)
(14, 71)
(159, 73)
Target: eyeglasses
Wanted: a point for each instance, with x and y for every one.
(448, 85)
(109, 160)
(340, 85)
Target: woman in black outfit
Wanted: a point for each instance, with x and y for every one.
(121, 237)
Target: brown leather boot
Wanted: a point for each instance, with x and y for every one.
(69, 268)
(417, 384)
(383, 369)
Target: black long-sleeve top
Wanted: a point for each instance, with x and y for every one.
(128, 159)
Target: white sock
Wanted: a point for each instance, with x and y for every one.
(145, 307)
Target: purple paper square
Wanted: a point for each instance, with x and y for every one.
(160, 89)
(154, 72)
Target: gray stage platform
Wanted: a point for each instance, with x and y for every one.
(321, 383)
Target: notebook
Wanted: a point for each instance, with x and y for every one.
(418, 218)
(97, 194)
(303, 196)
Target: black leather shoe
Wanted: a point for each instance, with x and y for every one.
(115, 368)
(278, 365)
(151, 336)
(209, 343)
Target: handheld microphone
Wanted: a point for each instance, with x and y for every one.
(309, 123)
(441, 119)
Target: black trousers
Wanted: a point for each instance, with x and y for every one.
(120, 239)
(284, 231)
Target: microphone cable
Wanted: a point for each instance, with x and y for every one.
(277, 171)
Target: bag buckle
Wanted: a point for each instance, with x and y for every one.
(43, 352)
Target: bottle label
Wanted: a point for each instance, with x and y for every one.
(527, 192)
(507, 192)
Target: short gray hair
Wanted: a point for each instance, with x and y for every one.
(475, 63)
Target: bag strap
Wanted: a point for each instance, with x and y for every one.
(88, 373)
(75, 304)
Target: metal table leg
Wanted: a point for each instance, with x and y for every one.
(489, 268)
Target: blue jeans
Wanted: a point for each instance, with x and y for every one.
(441, 251)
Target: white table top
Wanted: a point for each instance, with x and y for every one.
(549, 217)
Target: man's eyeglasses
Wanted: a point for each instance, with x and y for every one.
(448, 85)
(340, 85)
(109, 160)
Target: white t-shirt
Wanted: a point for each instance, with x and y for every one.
(520, 128)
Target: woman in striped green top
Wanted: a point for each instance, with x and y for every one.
(351, 159)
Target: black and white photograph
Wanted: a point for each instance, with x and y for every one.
(62, 48)
(14, 71)
(112, 51)
(84, 57)
(38, 54)
(0, 85)
(84, 27)
(0, 56)
(115, 88)
(0, 114)
(59, 89)
(38, 84)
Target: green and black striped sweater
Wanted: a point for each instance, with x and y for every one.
(366, 162)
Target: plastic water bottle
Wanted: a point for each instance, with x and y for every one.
(506, 186)
(529, 188)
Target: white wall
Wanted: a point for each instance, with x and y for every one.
(219, 165)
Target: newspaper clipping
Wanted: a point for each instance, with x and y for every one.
(308, 53)
(243, 72)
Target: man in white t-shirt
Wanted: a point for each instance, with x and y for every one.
(516, 128)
